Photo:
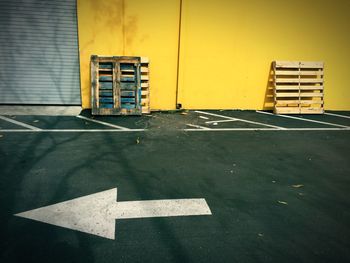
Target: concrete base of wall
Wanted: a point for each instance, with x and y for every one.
(40, 110)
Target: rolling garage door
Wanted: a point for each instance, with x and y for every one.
(39, 62)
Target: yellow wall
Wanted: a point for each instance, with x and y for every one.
(227, 47)
(132, 28)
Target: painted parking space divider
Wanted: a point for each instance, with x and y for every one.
(71, 130)
(191, 127)
(220, 121)
(304, 119)
(96, 213)
(33, 128)
(265, 129)
(242, 120)
(198, 126)
(102, 122)
(337, 115)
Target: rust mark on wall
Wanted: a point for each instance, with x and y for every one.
(113, 18)
(108, 18)
(111, 12)
(130, 29)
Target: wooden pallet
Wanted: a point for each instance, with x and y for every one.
(116, 85)
(298, 87)
(145, 92)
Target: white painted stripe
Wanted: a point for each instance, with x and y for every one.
(202, 117)
(73, 130)
(268, 129)
(161, 208)
(220, 121)
(304, 119)
(234, 129)
(243, 120)
(319, 129)
(102, 122)
(264, 112)
(337, 115)
(198, 126)
(20, 123)
(189, 130)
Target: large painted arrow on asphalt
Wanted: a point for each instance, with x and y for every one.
(96, 214)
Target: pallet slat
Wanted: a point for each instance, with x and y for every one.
(297, 73)
(297, 80)
(287, 94)
(286, 64)
(291, 101)
(310, 94)
(312, 111)
(310, 64)
(144, 69)
(311, 87)
(301, 87)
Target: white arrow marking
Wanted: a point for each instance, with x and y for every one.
(96, 213)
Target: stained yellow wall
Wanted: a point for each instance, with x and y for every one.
(227, 47)
(132, 28)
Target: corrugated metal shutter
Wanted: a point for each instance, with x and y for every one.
(39, 60)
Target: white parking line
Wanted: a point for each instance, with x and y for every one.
(268, 129)
(337, 115)
(198, 126)
(264, 112)
(303, 119)
(20, 124)
(220, 121)
(102, 122)
(243, 120)
(73, 130)
(187, 130)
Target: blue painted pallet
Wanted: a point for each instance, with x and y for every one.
(123, 100)
(105, 85)
(105, 99)
(127, 67)
(125, 83)
(105, 65)
(104, 93)
(106, 78)
(127, 93)
(128, 86)
(123, 78)
(128, 106)
(106, 106)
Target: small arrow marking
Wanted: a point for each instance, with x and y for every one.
(96, 213)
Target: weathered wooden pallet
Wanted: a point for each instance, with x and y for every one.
(116, 85)
(298, 87)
